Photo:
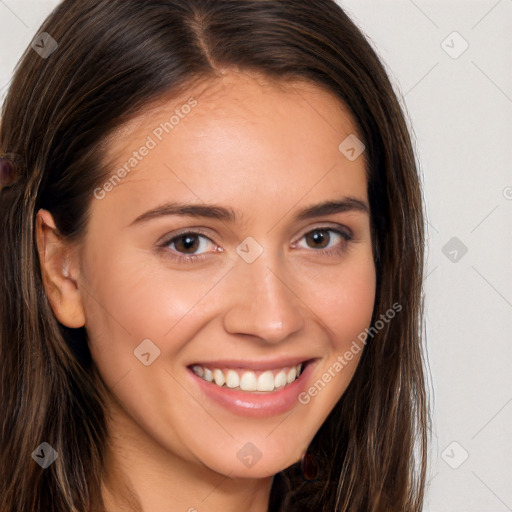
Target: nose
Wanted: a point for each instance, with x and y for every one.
(263, 303)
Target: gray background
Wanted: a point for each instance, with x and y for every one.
(459, 106)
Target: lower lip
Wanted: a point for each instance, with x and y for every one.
(256, 404)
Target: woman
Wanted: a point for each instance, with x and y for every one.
(212, 252)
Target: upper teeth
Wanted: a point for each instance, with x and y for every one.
(268, 380)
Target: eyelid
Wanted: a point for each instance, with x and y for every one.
(166, 239)
(326, 226)
(206, 233)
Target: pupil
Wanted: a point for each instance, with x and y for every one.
(319, 236)
(189, 241)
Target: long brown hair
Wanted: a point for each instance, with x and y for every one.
(113, 58)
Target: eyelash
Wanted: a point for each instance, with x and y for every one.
(199, 257)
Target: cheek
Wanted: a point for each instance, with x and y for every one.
(131, 297)
(125, 303)
(345, 307)
(343, 299)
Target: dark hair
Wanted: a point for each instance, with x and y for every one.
(114, 58)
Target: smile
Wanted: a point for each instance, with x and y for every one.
(249, 380)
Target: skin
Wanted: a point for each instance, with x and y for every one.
(267, 151)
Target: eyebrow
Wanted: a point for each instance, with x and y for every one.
(228, 214)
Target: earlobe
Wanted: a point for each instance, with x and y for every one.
(59, 272)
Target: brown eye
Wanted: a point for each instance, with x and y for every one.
(323, 239)
(188, 246)
(187, 243)
(318, 238)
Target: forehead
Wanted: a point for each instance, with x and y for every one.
(295, 105)
(239, 136)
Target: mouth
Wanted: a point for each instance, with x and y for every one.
(239, 379)
(256, 389)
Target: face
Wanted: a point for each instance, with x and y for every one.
(210, 270)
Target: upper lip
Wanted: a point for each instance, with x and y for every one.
(254, 365)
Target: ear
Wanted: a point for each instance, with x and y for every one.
(59, 270)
